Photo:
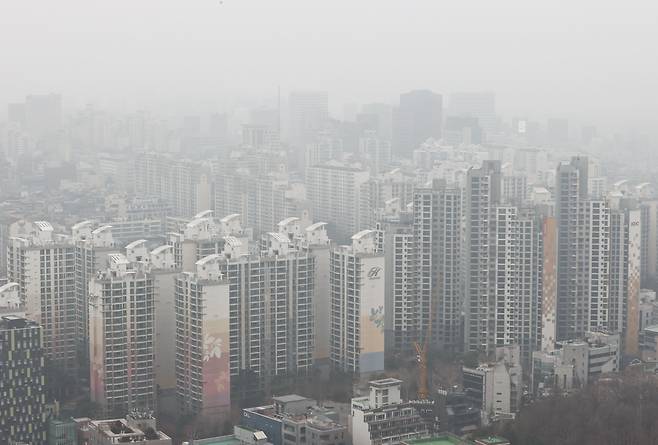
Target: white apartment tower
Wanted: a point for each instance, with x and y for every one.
(203, 383)
(160, 264)
(339, 195)
(43, 264)
(624, 287)
(357, 282)
(437, 213)
(401, 315)
(312, 238)
(122, 337)
(583, 254)
(92, 245)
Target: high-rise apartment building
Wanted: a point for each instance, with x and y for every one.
(202, 303)
(358, 303)
(339, 195)
(184, 185)
(22, 382)
(437, 213)
(583, 253)
(501, 267)
(401, 318)
(624, 274)
(312, 238)
(92, 245)
(122, 337)
(160, 264)
(43, 265)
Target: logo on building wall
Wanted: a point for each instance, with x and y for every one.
(374, 273)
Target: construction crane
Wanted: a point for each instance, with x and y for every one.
(422, 351)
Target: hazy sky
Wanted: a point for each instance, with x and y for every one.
(593, 60)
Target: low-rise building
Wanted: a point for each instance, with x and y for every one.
(574, 363)
(296, 420)
(136, 428)
(496, 387)
(382, 417)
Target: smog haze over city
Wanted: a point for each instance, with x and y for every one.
(301, 222)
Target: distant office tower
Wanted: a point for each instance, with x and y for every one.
(312, 238)
(309, 112)
(437, 212)
(418, 118)
(339, 196)
(122, 337)
(92, 245)
(583, 254)
(478, 105)
(462, 130)
(184, 185)
(358, 286)
(382, 118)
(22, 379)
(500, 267)
(624, 287)
(202, 346)
(401, 321)
(376, 152)
(40, 116)
(557, 131)
(43, 264)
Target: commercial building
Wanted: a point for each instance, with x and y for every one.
(22, 381)
(358, 304)
(382, 417)
(575, 363)
(122, 337)
(138, 428)
(496, 386)
(296, 420)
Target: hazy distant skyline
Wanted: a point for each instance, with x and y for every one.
(584, 60)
